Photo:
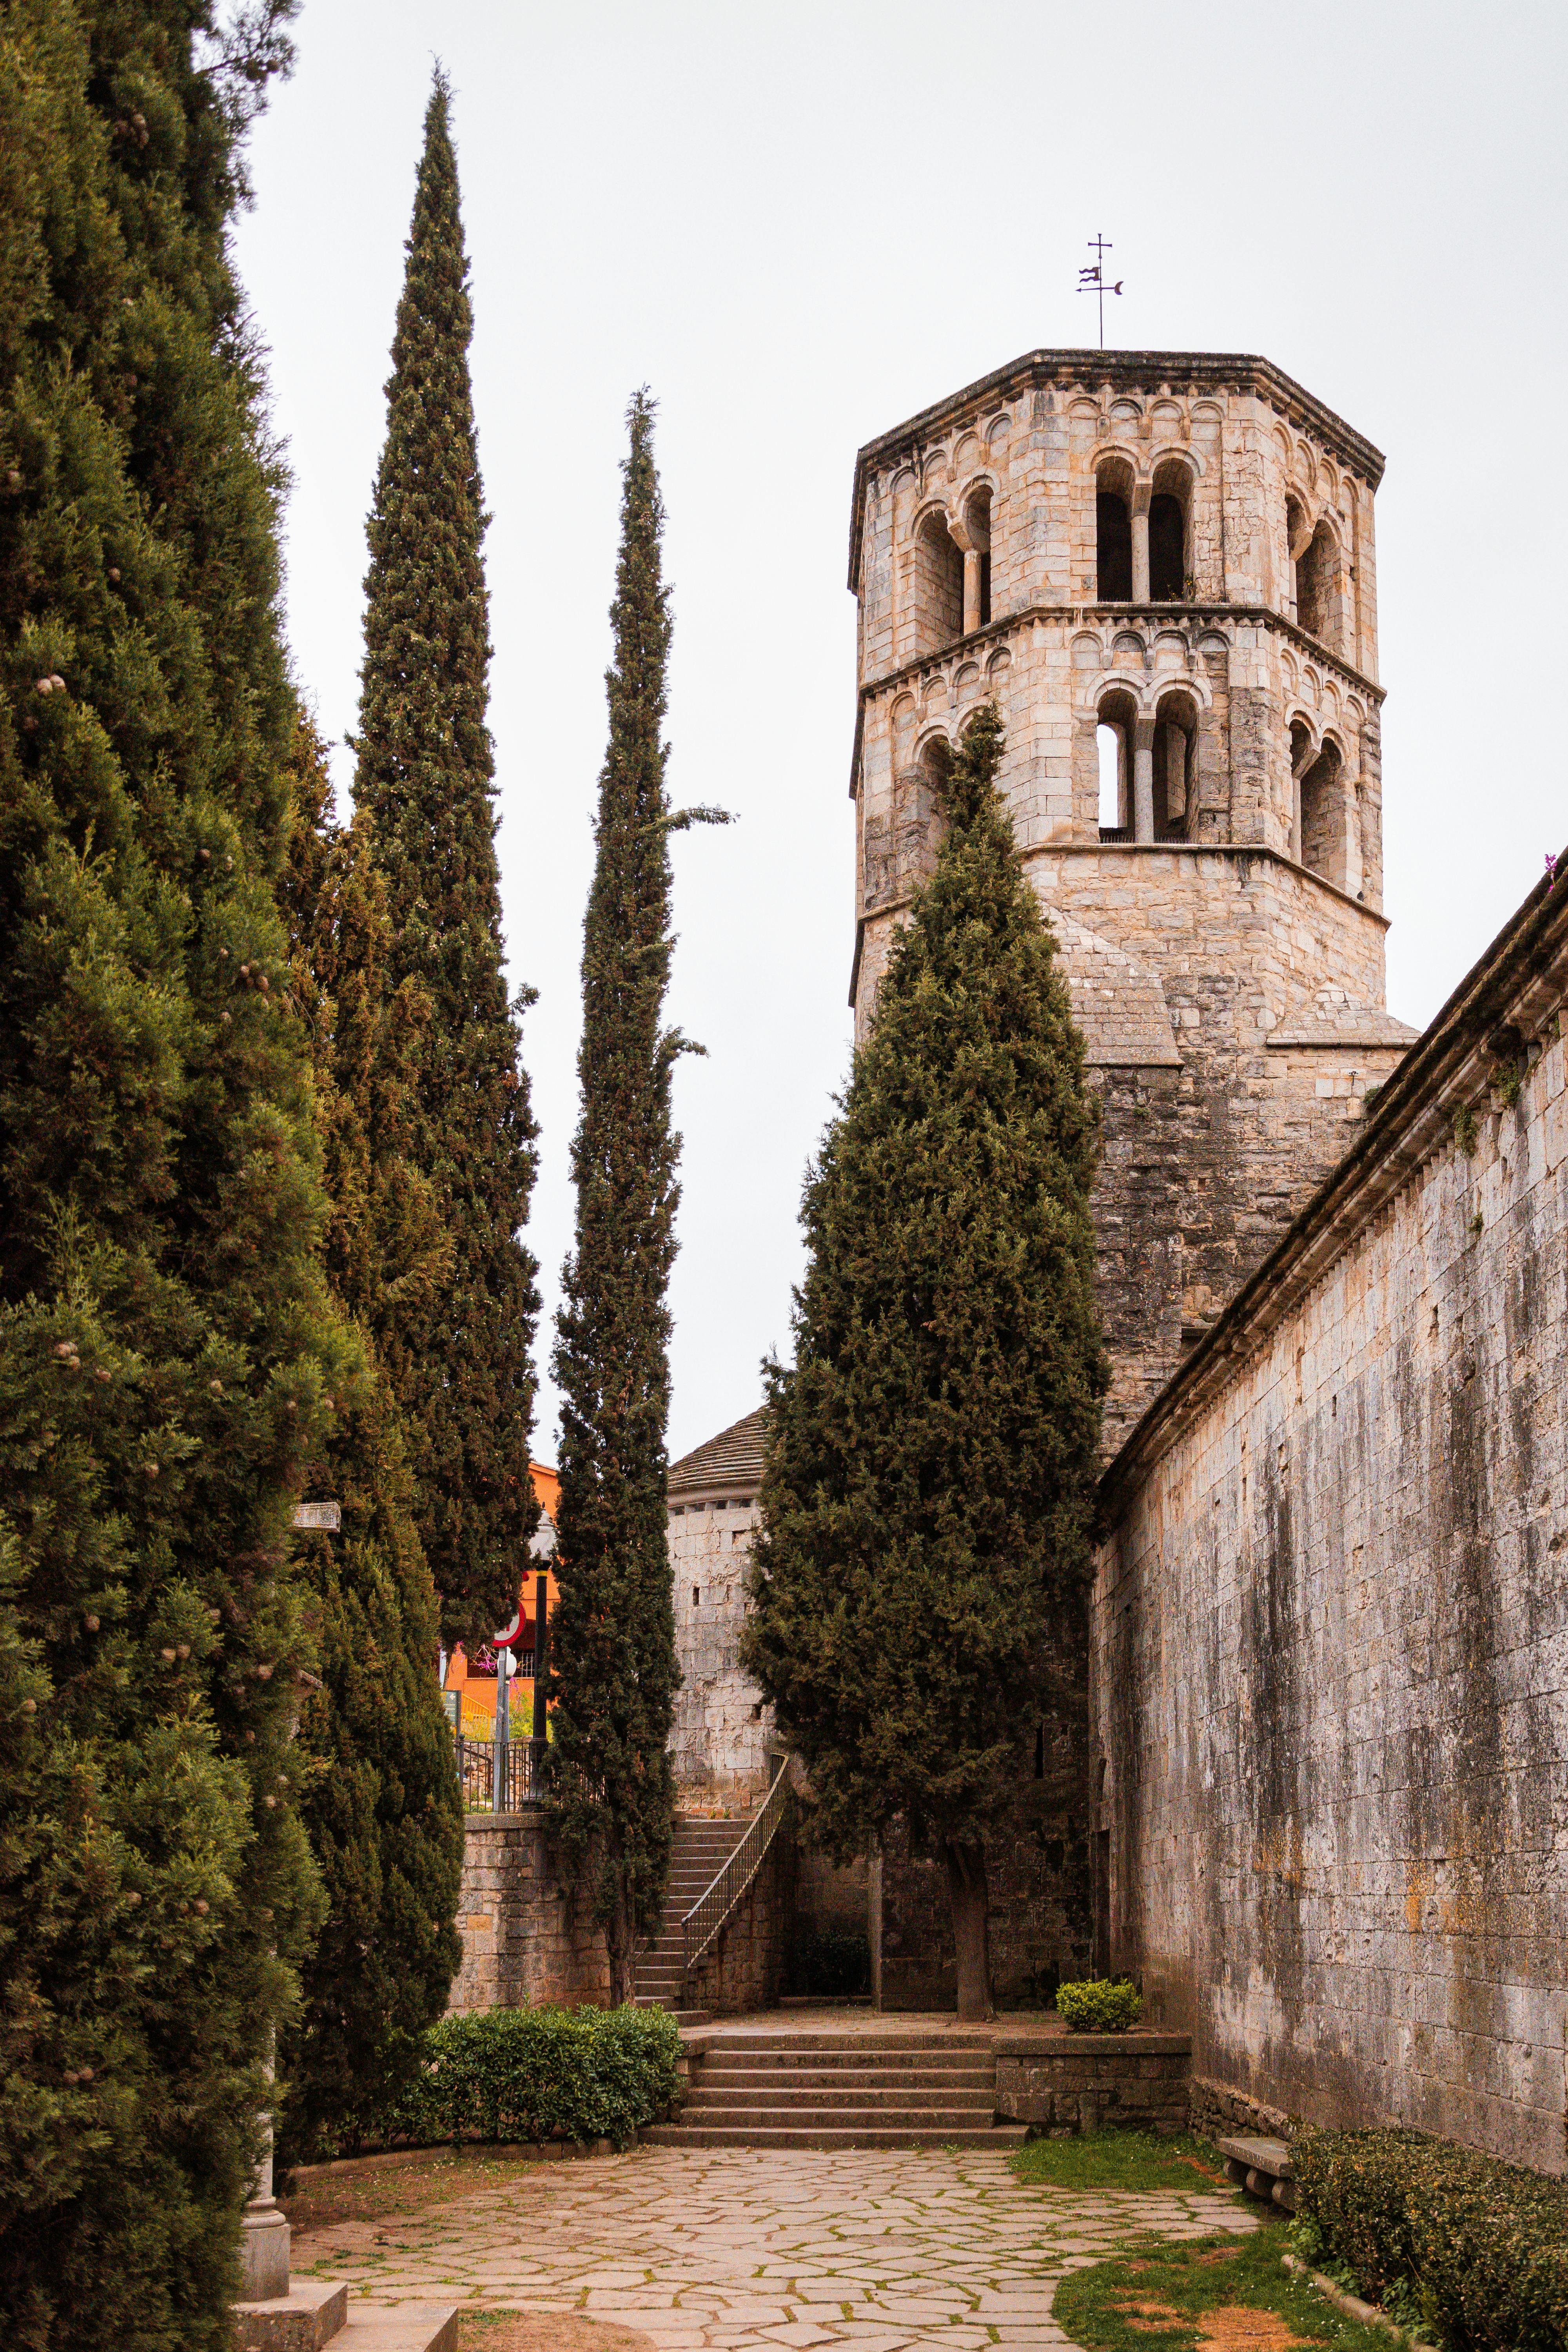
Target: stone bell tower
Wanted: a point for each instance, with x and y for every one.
(1159, 566)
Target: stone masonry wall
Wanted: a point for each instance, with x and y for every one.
(719, 1747)
(1331, 1648)
(745, 1969)
(519, 1944)
(1069, 2083)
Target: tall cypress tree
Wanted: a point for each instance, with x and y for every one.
(380, 1798)
(612, 1648)
(460, 1360)
(920, 1578)
(167, 1346)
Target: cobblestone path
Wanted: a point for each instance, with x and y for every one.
(709, 2249)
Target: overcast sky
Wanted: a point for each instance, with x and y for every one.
(798, 224)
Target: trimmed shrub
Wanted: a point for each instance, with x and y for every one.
(538, 2074)
(1098, 2005)
(1482, 2246)
(831, 1963)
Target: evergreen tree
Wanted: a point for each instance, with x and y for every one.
(167, 1345)
(459, 1358)
(382, 1803)
(922, 1569)
(613, 1644)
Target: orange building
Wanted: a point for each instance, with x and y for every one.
(474, 1706)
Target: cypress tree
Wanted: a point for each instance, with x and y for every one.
(167, 1345)
(922, 1572)
(613, 1648)
(380, 1800)
(460, 1359)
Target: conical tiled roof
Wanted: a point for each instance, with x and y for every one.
(729, 1466)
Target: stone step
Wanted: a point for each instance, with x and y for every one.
(873, 2060)
(796, 2082)
(817, 2101)
(839, 2135)
(311, 2314)
(408, 2327)
(317, 2312)
(807, 2048)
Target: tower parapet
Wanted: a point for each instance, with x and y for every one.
(1161, 567)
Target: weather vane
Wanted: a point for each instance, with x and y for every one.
(1091, 278)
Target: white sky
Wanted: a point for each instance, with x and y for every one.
(799, 224)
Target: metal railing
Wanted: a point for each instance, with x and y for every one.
(521, 1773)
(712, 1911)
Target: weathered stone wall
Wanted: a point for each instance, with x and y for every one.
(1070, 2082)
(744, 1970)
(1331, 1662)
(719, 1747)
(520, 1946)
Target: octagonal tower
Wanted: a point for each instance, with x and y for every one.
(1159, 566)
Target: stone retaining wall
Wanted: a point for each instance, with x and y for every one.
(1064, 2082)
(744, 1970)
(1219, 2111)
(519, 1944)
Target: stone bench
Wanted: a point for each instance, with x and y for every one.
(1262, 2166)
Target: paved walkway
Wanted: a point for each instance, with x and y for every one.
(724, 2247)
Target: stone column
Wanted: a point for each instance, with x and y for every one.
(264, 2237)
(971, 589)
(1143, 767)
(1141, 545)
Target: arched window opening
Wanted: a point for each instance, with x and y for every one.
(1113, 738)
(977, 562)
(1167, 549)
(939, 584)
(936, 761)
(1296, 536)
(1176, 737)
(1317, 587)
(1324, 828)
(1114, 543)
(1110, 745)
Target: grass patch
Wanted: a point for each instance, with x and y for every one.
(1123, 2159)
(1214, 2295)
(553, 2331)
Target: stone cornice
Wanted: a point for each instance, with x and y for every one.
(1520, 982)
(1077, 615)
(1201, 371)
(1259, 852)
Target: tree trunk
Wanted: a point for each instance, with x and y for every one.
(622, 1945)
(970, 1908)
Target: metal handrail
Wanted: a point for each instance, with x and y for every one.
(712, 1911)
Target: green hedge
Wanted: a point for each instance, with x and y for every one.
(1098, 2005)
(538, 2074)
(1481, 2247)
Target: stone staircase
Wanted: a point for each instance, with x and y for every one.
(825, 2088)
(315, 2313)
(701, 1849)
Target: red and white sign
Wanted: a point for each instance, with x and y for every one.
(509, 1632)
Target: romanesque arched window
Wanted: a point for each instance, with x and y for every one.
(937, 584)
(1168, 534)
(1113, 744)
(1176, 743)
(1318, 587)
(977, 565)
(1113, 534)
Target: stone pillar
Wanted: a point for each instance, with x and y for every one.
(264, 2236)
(1144, 761)
(971, 589)
(1298, 769)
(1140, 546)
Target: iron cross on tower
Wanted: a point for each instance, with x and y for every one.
(1091, 278)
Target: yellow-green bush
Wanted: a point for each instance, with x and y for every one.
(1098, 2005)
(539, 2074)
